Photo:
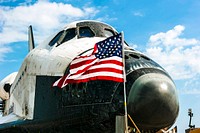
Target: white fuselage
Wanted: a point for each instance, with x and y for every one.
(43, 60)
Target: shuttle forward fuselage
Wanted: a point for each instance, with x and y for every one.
(151, 93)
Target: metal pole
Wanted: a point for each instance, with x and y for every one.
(124, 74)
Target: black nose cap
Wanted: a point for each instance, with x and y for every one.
(153, 101)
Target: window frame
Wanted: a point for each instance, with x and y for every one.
(62, 38)
(110, 31)
(55, 38)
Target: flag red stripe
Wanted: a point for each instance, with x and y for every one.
(87, 60)
(109, 62)
(61, 81)
(103, 70)
(98, 63)
(95, 78)
(81, 69)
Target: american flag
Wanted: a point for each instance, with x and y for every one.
(105, 63)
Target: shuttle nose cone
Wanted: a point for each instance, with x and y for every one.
(153, 102)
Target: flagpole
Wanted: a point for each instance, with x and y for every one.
(124, 74)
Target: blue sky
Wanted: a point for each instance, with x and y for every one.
(166, 30)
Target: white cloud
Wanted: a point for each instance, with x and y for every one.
(3, 50)
(46, 17)
(192, 86)
(171, 38)
(179, 56)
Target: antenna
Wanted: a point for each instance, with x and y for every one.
(191, 115)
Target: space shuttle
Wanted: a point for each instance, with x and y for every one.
(31, 104)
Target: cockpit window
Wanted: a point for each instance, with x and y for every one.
(108, 32)
(86, 32)
(63, 36)
(67, 35)
(55, 39)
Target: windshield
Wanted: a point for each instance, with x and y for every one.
(83, 30)
(63, 36)
(86, 32)
(94, 29)
(67, 35)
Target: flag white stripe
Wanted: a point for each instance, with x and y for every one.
(112, 58)
(110, 65)
(110, 74)
(74, 70)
